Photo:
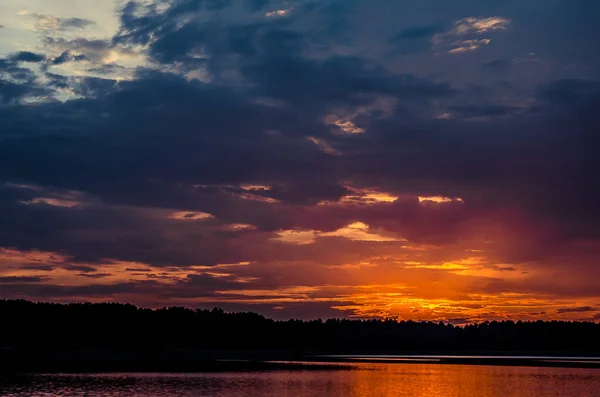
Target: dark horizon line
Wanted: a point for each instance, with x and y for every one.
(217, 309)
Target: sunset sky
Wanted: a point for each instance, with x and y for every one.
(430, 159)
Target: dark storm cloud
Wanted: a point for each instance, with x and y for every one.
(26, 56)
(12, 93)
(269, 55)
(94, 86)
(174, 101)
(18, 82)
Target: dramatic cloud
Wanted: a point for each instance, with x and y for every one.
(305, 158)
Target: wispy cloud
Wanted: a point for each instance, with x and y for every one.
(49, 23)
(465, 35)
(475, 25)
(278, 13)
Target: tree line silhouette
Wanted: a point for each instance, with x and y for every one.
(29, 326)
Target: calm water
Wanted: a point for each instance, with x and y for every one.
(367, 380)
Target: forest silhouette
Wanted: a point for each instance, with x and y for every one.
(28, 325)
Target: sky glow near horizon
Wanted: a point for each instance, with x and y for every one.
(431, 160)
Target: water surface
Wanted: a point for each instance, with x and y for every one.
(365, 380)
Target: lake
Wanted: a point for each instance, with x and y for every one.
(361, 380)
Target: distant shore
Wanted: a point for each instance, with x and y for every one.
(565, 361)
(182, 360)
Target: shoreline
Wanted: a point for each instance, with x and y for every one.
(164, 361)
(507, 361)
